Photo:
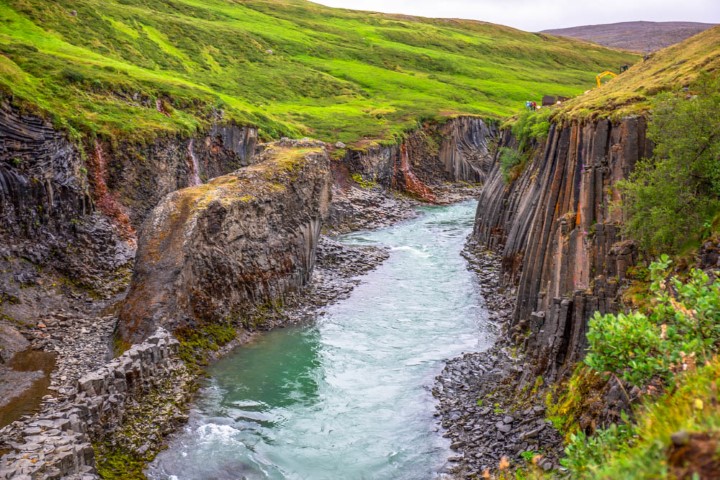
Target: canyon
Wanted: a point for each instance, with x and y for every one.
(83, 227)
(210, 253)
(183, 267)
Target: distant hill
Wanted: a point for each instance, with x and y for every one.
(667, 70)
(636, 36)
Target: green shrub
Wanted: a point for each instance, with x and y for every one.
(584, 454)
(670, 197)
(530, 130)
(532, 126)
(682, 326)
(640, 451)
(512, 163)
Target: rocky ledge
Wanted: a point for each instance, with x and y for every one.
(58, 441)
(210, 253)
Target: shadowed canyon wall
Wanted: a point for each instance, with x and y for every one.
(559, 235)
(75, 208)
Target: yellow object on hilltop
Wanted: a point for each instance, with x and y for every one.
(604, 74)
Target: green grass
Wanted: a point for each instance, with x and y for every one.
(289, 67)
(667, 70)
(692, 406)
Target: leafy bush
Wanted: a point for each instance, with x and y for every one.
(677, 191)
(512, 163)
(682, 327)
(530, 129)
(532, 126)
(584, 454)
(641, 451)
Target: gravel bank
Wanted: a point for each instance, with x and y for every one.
(479, 406)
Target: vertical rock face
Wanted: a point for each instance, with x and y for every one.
(40, 176)
(559, 235)
(207, 252)
(45, 183)
(74, 208)
(47, 216)
(465, 151)
(456, 151)
(139, 176)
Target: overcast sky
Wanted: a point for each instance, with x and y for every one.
(535, 15)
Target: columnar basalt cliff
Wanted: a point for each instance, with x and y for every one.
(456, 151)
(75, 207)
(139, 176)
(207, 253)
(46, 211)
(68, 214)
(559, 236)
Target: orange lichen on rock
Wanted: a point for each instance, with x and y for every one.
(413, 185)
(102, 197)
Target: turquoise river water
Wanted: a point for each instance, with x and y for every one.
(347, 397)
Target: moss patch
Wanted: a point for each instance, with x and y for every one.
(573, 405)
(195, 343)
(366, 184)
(119, 464)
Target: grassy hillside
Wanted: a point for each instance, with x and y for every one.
(120, 68)
(669, 69)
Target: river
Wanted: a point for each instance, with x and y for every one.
(347, 397)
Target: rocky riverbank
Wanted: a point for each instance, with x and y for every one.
(488, 423)
(34, 444)
(370, 206)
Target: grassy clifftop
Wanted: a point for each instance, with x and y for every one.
(119, 68)
(669, 69)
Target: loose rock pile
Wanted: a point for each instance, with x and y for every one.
(56, 443)
(478, 405)
(82, 344)
(354, 208)
(338, 268)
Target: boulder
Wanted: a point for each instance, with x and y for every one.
(208, 252)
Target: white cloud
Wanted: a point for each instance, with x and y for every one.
(535, 15)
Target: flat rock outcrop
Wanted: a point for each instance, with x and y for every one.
(208, 252)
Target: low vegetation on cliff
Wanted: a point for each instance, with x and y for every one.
(668, 70)
(670, 346)
(672, 199)
(144, 67)
(662, 352)
(530, 129)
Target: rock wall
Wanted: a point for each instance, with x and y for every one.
(456, 151)
(40, 176)
(207, 253)
(559, 236)
(466, 149)
(139, 176)
(70, 211)
(45, 180)
(57, 443)
(48, 222)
